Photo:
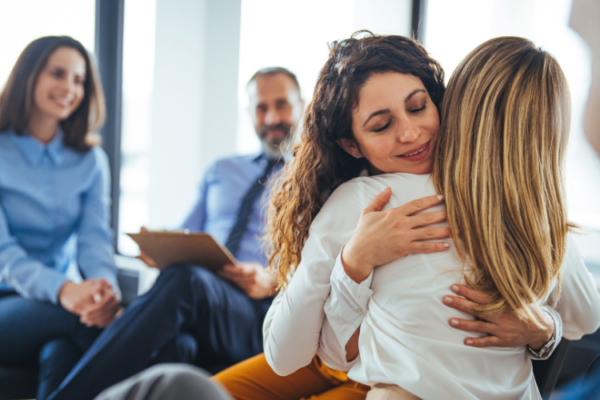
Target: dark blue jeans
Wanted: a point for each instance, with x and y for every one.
(187, 306)
(44, 334)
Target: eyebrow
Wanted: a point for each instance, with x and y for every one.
(387, 110)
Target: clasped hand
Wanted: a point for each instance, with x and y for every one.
(93, 300)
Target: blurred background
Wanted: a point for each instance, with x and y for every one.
(184, 64)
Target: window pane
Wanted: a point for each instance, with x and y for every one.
(138, 77)
(454, 28)
(295, 34)
(20, 25)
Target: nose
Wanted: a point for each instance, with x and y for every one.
(68, 85)
(408, 132)
(272, 117)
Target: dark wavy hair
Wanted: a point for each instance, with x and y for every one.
(16, 100)
(319, 163)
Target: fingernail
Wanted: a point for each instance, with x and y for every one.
(440, 197)
(447, 300)
(446, 245)
(453, 322)
(454, 288)
(469, 341)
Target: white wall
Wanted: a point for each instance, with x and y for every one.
(194, 100)
(295, 35)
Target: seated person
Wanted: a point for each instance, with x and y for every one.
(190, 314)
(54, 212)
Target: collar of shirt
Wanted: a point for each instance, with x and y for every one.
(33, 150)
(287, 157)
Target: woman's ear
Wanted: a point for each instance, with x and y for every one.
(349, 147)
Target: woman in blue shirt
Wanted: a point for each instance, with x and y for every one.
(58, 281)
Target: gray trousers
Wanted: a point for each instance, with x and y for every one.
(166, 382)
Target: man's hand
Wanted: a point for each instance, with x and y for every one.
(145, 257)
(253, 278)
(504, 330)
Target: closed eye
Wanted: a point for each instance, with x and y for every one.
(383, 128)
(418, 109)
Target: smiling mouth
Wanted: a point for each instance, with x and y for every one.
(61, 102)
(413, 153)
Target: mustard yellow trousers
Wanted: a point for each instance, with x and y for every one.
(254, 379)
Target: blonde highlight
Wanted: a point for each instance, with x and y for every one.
(499, 164)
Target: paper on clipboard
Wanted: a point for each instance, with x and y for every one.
(167, 248)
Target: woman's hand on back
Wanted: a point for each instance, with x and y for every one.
(385, 236)
(504, 330)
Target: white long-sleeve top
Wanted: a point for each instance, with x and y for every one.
(295, 319)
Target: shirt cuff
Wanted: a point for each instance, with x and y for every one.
(557, 332)
(347, 303)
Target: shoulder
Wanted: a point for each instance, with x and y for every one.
(233, 161)
(345, 204)
(228, 165)
(573, 254)
(96, 157)
(6, 144)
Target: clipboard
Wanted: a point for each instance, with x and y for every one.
(167, 248)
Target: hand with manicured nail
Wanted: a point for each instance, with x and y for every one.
(384, 236)
(504, 330)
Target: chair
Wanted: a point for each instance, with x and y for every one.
(22, 382)
(546, 372)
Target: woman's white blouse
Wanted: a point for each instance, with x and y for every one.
(405, 337)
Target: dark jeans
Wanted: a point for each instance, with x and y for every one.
(187, 306)
(44, 334)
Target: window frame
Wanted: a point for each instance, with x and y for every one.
(109, 54)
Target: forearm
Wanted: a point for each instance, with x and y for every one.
(345, 309)
(29, 277)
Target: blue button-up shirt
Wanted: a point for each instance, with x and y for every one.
(54, 216)
(221, 192)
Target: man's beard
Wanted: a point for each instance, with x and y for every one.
(273, 146)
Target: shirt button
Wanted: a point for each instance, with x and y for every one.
(360, 311)
(361, 297)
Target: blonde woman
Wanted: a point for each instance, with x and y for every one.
(500, 172)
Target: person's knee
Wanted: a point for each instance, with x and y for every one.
(58, 351)
(165, 382)
(181, 279)
(181, 349)
(56, 359)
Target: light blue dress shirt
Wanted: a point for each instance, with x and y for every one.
(222, 189)
(54, 216)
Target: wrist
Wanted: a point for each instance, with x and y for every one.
(356, 269)
(64, 289)
(543, 335)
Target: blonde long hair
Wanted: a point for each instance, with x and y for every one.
(499, 164)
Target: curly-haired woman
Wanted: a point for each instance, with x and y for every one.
(499, 167)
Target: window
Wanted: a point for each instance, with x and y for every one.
(456, 27)
(295, 34)
(138, 79)
(20, 25)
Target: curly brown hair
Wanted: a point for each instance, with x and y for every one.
(320, 164)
